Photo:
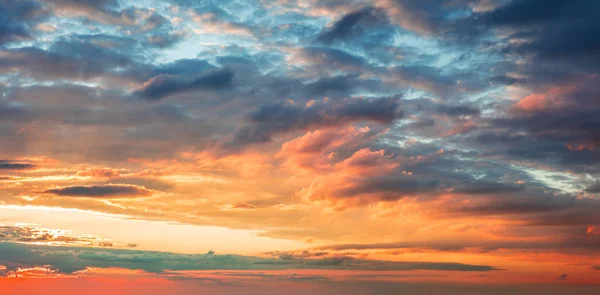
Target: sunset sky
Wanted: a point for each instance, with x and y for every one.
(299, 147)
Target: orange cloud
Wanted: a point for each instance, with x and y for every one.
(405, 17)
(552, 98)
(316, 150)
(34, 272)
(578, 147)
(368, 162)
(102, 172)
(211, 24)
(534, 102)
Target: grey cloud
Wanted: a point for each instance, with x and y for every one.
(573, 242)
(17, 19)
(69, 58)
(45, 236)
(555, 29)
(513, 207)
(391, 187)
(578, 216)
(428, 17)
(71, 259)
(458, 110)
(558, 37)
(334, 57)
(164, 85)
(104, 11)
(327, 85)
(270, 119)
(479, 187)
(554, 130)
(594, 188)
(352, 23)
(101, 191)
(10, 165)
(110, 57)
(426, 78)
(13, 112)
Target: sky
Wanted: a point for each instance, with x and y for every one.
(299, 147)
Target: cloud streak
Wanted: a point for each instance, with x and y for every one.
(101, 191)
(72, 259)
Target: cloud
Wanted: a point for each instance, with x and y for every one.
(104, 11)
(10, 165)
(242, 205)
(548, 31)
(329, 85)
(389, 188)
(325, 140)
(557, 44)
(351, 23)
(317, 150)
(101, 191)
(218, 21)
(486, 188)
(320, 56)
(104, 57)
(512, 206)
(458, 110)
(18, 18)
(72, 259)
(425, 78)
(72, 58)
(426, 17)
(594, 188)
(102, 172)
(574, 242)
(37, 235)
(164, 85)
(271, 119)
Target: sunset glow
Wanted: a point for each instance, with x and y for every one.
(299, 147)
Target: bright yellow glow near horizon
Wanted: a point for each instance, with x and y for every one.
(147, 235)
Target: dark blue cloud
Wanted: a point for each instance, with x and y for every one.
(102, 11)
(10, 165)
(270, 119)
(334, 57)
(458, 110)
(71, 58)
(487, 188)
(17, 19)
(164, 85)
(555, 29)
(326, 85)
(356, 22)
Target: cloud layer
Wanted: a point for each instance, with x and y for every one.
(371, 129)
